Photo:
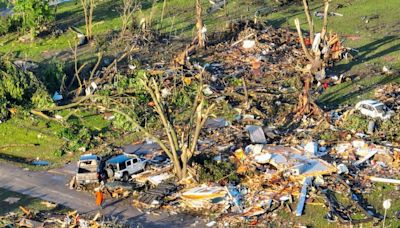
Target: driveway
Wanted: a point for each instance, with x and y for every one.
(53, 186)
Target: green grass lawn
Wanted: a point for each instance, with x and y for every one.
(31, 203)
(24, 140)
(378, 39)
(177, 20)
(377, 43)
(313, 215)
(353, 91)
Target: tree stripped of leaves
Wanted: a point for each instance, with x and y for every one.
(129, 7)
(88, 8)
(316, 60)
(180, 145)
(199, 25)
(124, 96)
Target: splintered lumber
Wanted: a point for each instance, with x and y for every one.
(30, 223)
(384, 180)
(303, 194)
(366, 158)
(25, 210)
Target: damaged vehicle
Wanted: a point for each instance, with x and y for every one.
(122, 167)
(89, 169)
(374, 109)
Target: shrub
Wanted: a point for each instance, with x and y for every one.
(52, 73)
(31, 15)
(356, 122)
(77, 136)
(4, 25)
(213, 171)
(390, 128)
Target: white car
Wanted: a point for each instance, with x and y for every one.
(122, 167)
(374, 109)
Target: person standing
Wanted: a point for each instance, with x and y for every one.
(99, 198)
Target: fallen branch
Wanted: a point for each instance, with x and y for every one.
(246, 37)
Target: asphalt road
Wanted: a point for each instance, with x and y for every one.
(52, 186)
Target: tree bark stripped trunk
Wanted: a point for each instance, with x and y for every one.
(199, 25)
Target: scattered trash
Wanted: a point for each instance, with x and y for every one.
(41, 163)
(387, 70)
(256, 134)
(26, 65)
(57, 96)
(320, 14)
(158, 179)
(207, 91)
(386, 205)
(303, 195)
(211, 224)
(247, 44)
(80, 35)
(342, 169)
(216, 123)
(34, 218)
(312, 148)
(155, 197)
(11, 200)
(48, 204)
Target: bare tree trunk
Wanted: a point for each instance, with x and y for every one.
(325, 23)
(309, 19)
(91, 8)
(303, 45)
(85, 14)
(187, 147)
(88, 8)
(199, 25)
(163, 11)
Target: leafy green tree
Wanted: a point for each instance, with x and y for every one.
(30, 15)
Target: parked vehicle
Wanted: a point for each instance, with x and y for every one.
(89, 169)
(374, 109)
(122, 167)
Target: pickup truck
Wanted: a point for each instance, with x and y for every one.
(123, 166)
(89, 169)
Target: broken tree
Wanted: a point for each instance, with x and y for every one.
(318, 59)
